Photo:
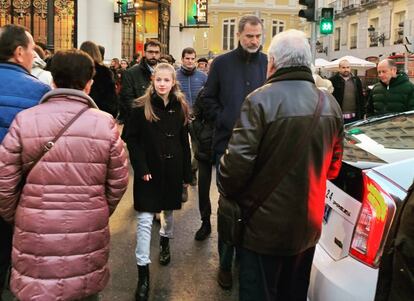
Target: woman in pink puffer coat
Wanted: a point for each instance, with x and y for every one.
(61, 233)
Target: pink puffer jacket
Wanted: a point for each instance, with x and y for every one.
(61, 234)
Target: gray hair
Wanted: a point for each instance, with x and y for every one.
(390, 62)
(290, 48)
(250, 19)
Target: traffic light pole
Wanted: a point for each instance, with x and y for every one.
(314, 32)
(313, 40)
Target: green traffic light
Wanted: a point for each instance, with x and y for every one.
(326, 26)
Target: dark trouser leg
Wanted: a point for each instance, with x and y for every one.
(194, 161)
(349, 120)
(204, 182)
(294, 283)
(251, 285)
(225, 251)
(225, 254)
(6, 238)
(284, 278)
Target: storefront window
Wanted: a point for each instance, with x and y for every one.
(35, 14)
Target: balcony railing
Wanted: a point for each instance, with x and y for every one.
(350, 4)
(353, 43)
(369, 2)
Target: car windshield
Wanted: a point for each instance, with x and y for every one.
(385, 139)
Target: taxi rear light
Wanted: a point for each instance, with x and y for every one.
(377, 212)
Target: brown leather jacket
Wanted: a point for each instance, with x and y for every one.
(272, 120)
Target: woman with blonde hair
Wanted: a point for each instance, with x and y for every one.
(159, 150)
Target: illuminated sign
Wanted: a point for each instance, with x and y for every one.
(202, 11)
(196, 12)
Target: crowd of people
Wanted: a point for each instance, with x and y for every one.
(64, 167)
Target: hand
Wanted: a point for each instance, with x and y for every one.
(185, 185)
(147, 177)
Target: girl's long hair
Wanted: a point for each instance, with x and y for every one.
(145, 100)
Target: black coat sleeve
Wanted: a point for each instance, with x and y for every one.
(127, 94)
(237, 164)
(135, 143)
(186, 155)
(211, 100)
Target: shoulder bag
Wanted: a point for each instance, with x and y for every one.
(46, 147)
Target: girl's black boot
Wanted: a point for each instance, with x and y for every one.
(141, 294)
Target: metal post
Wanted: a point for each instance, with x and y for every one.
(313, 40)
(314, 32)
(50, 25)
(407, 33)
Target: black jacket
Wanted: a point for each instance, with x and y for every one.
(162, 149)
(231, 78)
(103, 90)
(396, 273)
(272, 119)
(202, 130)
(339, 88)
(135, 82)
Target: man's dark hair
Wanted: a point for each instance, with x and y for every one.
(249, 19)
(136, 56)
(202, 60)
(152, 43)
(72, 69)
(11, 37)
(188, 50)
(102, 51)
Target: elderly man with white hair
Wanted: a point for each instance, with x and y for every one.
(285, 145)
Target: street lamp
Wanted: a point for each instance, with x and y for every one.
(375, 37)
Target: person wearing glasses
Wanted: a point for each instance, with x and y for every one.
(136, 79)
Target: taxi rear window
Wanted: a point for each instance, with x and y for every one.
(364, 138)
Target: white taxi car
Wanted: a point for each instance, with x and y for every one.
(377, 172)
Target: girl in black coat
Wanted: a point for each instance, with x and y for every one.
(159, 151)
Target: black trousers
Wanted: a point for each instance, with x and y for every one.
(270, 278)
(6, 237)
(204, 183)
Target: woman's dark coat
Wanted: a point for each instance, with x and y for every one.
(202, 130)
(103, 90)
(162, 149)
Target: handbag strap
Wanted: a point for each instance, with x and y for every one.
(48, 145)
(297, 151)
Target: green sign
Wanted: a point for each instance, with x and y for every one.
(196, 12)
(326, 25)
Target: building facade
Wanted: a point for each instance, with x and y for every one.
(373, 29)
(53, 23)
(122, 27)
(219, 34)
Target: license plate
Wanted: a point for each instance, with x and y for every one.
(326, 213)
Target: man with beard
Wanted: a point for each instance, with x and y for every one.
(231, 78)
(136, 79)
(348, 93)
